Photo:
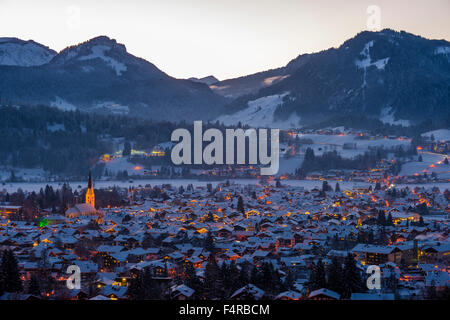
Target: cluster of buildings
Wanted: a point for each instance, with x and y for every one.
(290, 227)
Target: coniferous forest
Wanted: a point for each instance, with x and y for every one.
(67, 142)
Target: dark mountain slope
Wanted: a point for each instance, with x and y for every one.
(99, 75)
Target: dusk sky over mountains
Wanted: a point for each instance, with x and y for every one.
(223, 38)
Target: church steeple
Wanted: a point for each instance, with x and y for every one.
(90, 197)
(90, 180)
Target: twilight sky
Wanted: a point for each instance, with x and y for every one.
(225, 38)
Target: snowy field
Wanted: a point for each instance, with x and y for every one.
(387, 117)
(432, 162)
(26, 174)
(439, 135)
(325, 143)
(288, 166)
(122, 164)
(307, 184)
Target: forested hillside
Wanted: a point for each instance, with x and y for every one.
(68, 142)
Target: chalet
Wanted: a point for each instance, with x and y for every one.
(10, 212)
(225, 232)
(324, 294)
(435, 253)
(182, 292)
(248, 292)
(289, 295)
(376, 254)
(114, 292)
(285, 241)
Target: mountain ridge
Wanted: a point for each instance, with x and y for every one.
(17, 52)
(100, 75)
(396, 77)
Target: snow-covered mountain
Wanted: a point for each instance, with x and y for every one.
(16, 52)
(260, 114)
(100, 75)
(395, 77)
(248, 85)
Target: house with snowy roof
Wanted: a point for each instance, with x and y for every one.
(289, 295)
(377, 254)
(247, 292)
(181, 292)
(324, 294)
(82, 209)
(437, 253)
(114, 292)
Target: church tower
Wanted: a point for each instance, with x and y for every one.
(90, 197)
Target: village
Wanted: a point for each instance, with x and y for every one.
(234, 241)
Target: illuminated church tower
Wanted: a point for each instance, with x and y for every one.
(90, 197)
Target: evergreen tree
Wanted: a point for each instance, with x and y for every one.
(392, 281)
(244, 275)
(382, 238)
(309, 155)
(228, 279)
(209, 242)
(337, 188)
(240, 205)
(267, 280)
(317, 278)
(33, 286)
(421, 223)
(136, 288)
(271, 282)
(422, 209)
(352, 277)
(381, 218)
(325, 186)
(9, 273)
(150, 288)
(278, 183)
(144, 287)
(213, 285)
(335, 277)
(289, 280)
(192, 280)
(389, 221)
(126, 149)
(254, 276)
